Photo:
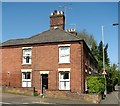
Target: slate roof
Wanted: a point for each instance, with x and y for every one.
(49, 36)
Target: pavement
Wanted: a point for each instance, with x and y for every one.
(112, 98)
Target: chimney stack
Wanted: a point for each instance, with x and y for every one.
(72, 31)
(57, 20)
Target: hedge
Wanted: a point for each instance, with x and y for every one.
(96, 84)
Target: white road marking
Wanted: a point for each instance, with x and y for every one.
(13, 103)
(5, 103)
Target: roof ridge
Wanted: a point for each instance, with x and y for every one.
(57, 35)
(15, 39)
(72, 34)
(39, 34)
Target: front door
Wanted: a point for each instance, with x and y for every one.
(44, 82)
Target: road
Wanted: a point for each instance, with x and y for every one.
(13, 99)
(21, 99)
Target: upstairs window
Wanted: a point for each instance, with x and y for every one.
(64, 54)
(27, 56)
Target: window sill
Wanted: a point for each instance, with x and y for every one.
(64, 90)
(64, 63)
(26, 80)
(26, 64)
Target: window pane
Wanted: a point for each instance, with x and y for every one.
(23, 75)
(26, 56)
(61, 75)
(27, 52)
(28, 75)
(27, 59)
(67, 87)
(64, 85)
(66, 75)
(61, 86)
(64, 54)
(26, 84)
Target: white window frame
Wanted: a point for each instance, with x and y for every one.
(26, 82)
(24, 55)
(62, 59)
(64, 81)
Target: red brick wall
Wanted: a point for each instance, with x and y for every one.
(11, 62)
(90, 98)
(58, 20)
(19, 90)
(44, 58)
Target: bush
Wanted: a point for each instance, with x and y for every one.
(35, 94)
(96, 84)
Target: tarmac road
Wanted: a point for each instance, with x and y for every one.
(24, 100)
(14, 100)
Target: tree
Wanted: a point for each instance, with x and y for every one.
(107, 60)
(94, 50)
(100, 51)
(112, 77)
(88, 38)
(100, 56)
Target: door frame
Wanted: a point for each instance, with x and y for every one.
(41, 86)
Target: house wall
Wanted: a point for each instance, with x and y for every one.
(47, 60)
(44, 58)
(11, 65)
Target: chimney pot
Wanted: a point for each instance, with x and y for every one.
(51, 14)
(57, 18)
(58, 12)
(61, 12)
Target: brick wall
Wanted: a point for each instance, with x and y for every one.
(19, 90)
(92, 98)
(11, 65)
(57, 20)
(48, 61)
(44, 58)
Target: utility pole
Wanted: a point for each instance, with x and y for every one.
(104, 71)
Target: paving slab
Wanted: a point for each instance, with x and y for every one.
(111, 98)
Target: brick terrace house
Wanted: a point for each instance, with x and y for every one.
(56, 60)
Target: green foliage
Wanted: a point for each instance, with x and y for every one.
(96, 84)
(113, 75)
(100, 55)
(107, 61)
(94, 50)
(35, 94)
(100, 51)
(118, 78)
(100, 63)
(89, 38)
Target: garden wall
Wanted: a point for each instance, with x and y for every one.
(19, 90)
(94, 98)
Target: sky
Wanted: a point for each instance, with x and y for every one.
(25, 19)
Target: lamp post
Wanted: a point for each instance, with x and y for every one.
(104, 72)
